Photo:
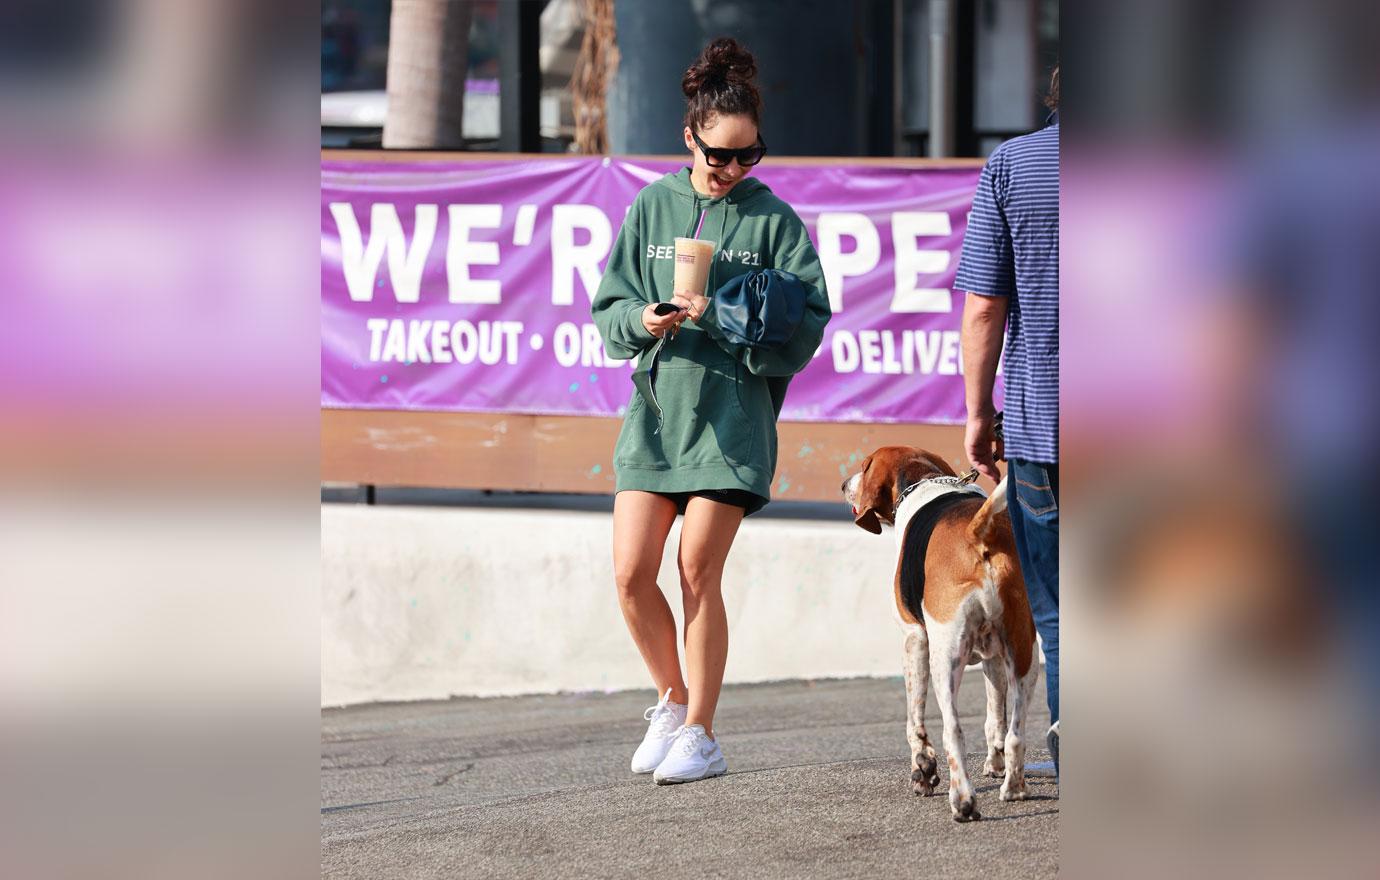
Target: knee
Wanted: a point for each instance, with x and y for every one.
(633, 580)
(698, 580)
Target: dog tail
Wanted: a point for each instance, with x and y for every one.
(985, 521)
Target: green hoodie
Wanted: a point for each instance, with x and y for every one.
(720, 400)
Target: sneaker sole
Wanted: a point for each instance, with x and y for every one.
(667, 780)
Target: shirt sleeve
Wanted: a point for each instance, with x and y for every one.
(802, 261)
(617, 307)
(988, 265)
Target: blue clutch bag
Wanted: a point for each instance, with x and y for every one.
(760, 309)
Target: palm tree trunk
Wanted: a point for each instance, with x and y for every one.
(428, 56)
(594, 71)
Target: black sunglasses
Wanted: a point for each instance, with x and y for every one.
(718, 157)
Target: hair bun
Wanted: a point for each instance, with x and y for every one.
(723, 63)
(720, 83)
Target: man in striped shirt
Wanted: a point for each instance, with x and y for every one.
(1010, 269)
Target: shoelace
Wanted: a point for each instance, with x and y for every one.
(687, 741)
(660, 714)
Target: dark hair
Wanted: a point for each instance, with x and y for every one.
(1052, 99)
(720, 82)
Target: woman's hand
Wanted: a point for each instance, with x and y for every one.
(659, 325)
(696, 306)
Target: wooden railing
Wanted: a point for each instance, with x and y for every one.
(575, 454)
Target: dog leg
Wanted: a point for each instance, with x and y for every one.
(948, 655)
(994, 673)
(924, 761)
(1020, 690)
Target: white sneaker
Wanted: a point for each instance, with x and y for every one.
(666, 718)
(693, 756)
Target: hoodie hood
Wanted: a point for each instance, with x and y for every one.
(701, 209)
(747, 188)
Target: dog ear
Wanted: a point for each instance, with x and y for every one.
(868, 520)
(874, 494)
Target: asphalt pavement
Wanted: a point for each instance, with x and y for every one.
(539, 786)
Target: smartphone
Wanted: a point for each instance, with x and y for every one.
(666, 308)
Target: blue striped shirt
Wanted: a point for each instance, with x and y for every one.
(1011, 249)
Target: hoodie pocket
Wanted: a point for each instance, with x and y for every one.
(638, 445)
(754, 399)
(703, 420)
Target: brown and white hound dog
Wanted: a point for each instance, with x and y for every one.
(959, 594)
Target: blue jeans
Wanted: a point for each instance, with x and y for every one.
(1035, 521)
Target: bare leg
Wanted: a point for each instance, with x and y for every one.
(641, 521)
(706, 536)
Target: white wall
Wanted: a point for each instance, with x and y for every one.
(422, 603)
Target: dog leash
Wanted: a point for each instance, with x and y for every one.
(972, 474)
(960, 480)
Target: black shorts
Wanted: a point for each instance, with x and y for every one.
(736, 497)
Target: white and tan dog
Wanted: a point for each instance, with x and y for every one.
(959, 594)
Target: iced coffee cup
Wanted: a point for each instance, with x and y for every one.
(693, 259)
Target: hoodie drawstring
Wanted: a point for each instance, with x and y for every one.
(714, 264)
(709, 286)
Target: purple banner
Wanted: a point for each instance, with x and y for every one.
(466, 285)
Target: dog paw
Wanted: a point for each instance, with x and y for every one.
(922, 785)
(925, 778)
(966, 811)
(1014, 794)
(994, 768)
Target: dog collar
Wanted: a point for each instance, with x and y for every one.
(956, 482)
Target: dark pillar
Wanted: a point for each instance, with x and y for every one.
(519, 76)
(811, 71)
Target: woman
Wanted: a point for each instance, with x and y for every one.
(704, 444)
